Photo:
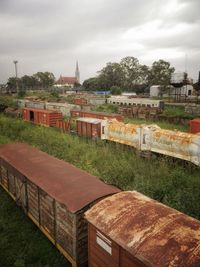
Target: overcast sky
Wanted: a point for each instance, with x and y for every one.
(50, 35)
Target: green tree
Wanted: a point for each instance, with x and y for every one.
(134, 73)
(91, 84)
(29, 82)
(77, 85)
(44, 79)
(111, 75)
(115, 90)
(160, 73)
(13, 83)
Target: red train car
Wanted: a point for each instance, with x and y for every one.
(97, 115)
(195, 126)
(43, 117)
(89, 127)
(80, 101)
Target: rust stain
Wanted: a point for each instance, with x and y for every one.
(154, 233)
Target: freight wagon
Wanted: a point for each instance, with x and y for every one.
(97, 115)
(140, 112)
(89, 127)
(129, 229)
(126, 229)
(195, 126)
(137, 102)
(54, 194)
(64, 108)
(147, 138)
(41, 116)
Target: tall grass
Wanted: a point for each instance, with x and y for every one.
(164, 179)
(21, 242)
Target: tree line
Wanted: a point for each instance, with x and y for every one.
(38, 80)
(130, 75)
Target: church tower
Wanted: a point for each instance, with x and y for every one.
(77, 73)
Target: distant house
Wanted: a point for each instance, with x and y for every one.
(155, 90)
(174, 92)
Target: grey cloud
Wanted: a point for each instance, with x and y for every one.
(52, 34)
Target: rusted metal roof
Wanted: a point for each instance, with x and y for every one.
(41, 110)
(157, 235)
(67, 184)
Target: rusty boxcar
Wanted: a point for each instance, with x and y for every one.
(131, 230)
(89, 127)
(195, 126)
(119, 132)
(80, 101)
(97, 115)
(175, 144)
(43, 117)
(54, 194)
(151, 138)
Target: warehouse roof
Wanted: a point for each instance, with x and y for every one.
(152, 232)
(69, 185)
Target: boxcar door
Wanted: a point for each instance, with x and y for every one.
(12, 184)
(21, 198)
(47, 213)
(4, 177)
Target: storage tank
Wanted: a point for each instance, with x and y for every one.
(178, 79)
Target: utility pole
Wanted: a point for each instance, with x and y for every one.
(16, 74)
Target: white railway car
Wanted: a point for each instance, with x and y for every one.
(138, 102)
(152, 138)
(119, 132)
(176, 144)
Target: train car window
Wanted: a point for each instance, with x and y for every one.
(129, 104)
(152, 105)
(103, 129)
(143, 105)
(113, 102)
(148, 105)
(117, 103)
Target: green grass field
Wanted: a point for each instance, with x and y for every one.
(174, 183)
(21, 242)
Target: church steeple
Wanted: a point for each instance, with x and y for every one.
(77, 73)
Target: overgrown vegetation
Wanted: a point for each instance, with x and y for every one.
(160, 178)
(173, 183)
(178, 112)
(7, 101)
(21, 242)
(107, 108)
